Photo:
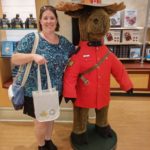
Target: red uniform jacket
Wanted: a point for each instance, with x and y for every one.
(95, 94)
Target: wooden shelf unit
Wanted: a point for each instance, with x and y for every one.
(140, 76)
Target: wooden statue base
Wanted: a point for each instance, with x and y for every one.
(96, 142)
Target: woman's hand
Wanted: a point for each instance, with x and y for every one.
(39, 59)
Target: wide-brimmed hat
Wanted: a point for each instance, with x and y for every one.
(94, 3)
(77, 5)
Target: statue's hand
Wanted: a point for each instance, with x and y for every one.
(130, 91)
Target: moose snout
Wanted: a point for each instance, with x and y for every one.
(95, 20)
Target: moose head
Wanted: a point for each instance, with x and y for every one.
(94, 19)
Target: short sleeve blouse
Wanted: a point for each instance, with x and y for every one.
(57, 56)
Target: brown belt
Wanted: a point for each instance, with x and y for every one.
(93, 68)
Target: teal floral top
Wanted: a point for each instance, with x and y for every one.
(57, 56)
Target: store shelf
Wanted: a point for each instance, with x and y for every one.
(126, 28)
(125, 43)
(147, 42)
(16, 29)
(129, 58)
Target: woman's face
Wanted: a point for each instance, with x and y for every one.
(48, 21)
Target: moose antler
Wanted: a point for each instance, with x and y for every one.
(112, 9)
(67, 6)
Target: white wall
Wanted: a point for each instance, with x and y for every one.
(22, 7)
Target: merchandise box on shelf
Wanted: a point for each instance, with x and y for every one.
(16, 22)
(130, 18)
(113, 36)
(4, 22)
(135, 52)
(121, 51)
(30, 22)
(115, 20)
(7, 48)
(130, 36)
(147, 55)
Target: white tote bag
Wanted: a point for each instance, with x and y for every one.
(46, 102)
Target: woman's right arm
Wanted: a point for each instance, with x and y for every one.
(22, 58)
(23, 53)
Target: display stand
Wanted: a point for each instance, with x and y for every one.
(96, 142)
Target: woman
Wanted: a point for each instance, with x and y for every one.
(52, 49)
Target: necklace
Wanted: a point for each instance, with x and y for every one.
(51, 38)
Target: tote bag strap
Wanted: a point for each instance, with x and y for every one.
(36, 41)
(48, 79)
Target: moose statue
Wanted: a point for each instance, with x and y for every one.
(87, 76)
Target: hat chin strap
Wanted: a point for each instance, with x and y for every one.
(96, 43)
